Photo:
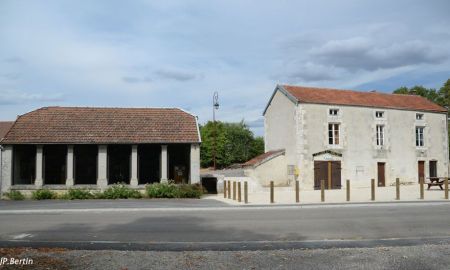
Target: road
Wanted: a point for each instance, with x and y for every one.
(224, 228)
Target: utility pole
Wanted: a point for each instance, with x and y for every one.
(215, 107)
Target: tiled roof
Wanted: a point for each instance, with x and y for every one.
(365, 99)
(263, 157)
(104, 125)
(4, 127)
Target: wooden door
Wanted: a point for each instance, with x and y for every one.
(381, 174)
(330, 171)
(320, 173)
(421, 170)
(433, 168)
(335, 174)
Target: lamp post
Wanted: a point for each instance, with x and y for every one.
(215, 107)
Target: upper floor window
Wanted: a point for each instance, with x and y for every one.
(420, 136)
(419, 116)
(380, 135)
(379, 114)
(333, 134)
(333, 112)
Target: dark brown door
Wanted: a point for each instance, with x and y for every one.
(381, 174)
(421, 170)
(330, 171)
(320, 173)
(433, 168)
(335, 174)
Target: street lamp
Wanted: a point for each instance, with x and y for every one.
(215, 107)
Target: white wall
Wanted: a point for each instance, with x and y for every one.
(6, 168)
(274, 170)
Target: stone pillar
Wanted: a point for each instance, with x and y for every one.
(69, 176)
(6, 168)
(134, 166)
(164, 162)
(39, 166)
(102, 166)
(195, 164)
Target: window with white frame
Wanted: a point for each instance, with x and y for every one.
(380, 135)
(379, 114)
(333, 112)
(333, 134)
(419, 116)
(420, 136)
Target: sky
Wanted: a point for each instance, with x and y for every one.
(178, 53)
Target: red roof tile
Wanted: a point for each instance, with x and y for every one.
(263, 157)
(104, 125)
(4, 128)
(365, 99)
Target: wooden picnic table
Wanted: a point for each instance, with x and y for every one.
(436, 181)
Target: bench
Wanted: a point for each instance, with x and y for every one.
(436, 181)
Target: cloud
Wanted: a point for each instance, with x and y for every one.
(311, 72)
(12, 97)
(130, 79)
(258, 123)
(176, 75)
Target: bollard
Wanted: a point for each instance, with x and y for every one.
(225, 189)
(229, 189)
(239, 191)
(421, 188)
(397, 189)
(271, 192)
(373, 189)
(348, 190)
(446, 188)
(245, 192)
(234, 190)
(297, 191)
(322, 190)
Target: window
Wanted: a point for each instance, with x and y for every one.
(380, 135)
(419, 136)
(419, 116)
(379, 114)
(333, 134)
(334, 112)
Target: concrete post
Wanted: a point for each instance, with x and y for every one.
(134, 166)
(245, 192)
(347, 189)
(372, 184)
(322, 190)
(69, 166)
(297, 191)
(102, 167)
(229, 189)
(421, 188)
(195, 163)
(224, 189)
(397, 188)
(38, 182)
(6, 168)
(446, 189)
(234, 190)
(164, 161)
(239, 191)
(272, 197)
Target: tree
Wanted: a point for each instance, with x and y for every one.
(235, 143)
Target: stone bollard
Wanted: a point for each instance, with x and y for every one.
(297, 191)
(347, 188)
(229, 189)
(245, 192)
(239, 191)
(272, 200)
(397, 189)
(421, 189)
(322, 190)
(234, 190)
(225, 189)
(373, 189)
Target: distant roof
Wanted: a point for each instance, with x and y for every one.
(372, 99)
(263, 158)
(79, 125)
(4, 127)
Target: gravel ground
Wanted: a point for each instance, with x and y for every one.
(412, 257)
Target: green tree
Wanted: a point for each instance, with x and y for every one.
(235, 143)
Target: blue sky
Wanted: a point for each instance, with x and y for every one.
(177, 53)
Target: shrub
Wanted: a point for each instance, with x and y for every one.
(43, 194)
(120, 191)
(170, 190)
(190, 191)
(78, 194)
(15, 195)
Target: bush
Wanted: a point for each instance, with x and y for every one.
(43, 194)
(170, 190)
(120, 191)
(78, 194)
(15, 195)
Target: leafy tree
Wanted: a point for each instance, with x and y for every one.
(235, 143)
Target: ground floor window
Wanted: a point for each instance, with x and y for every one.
(179, 161)
(119, 163)
(433, 168)
(85, 164)
(24, 164)
(149, 163)
(55, 160)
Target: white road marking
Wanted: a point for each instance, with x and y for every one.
(21, 236)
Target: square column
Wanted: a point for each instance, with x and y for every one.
(6, 167)
(164, 162)
(38, 182)
(69, 176)
(102, 166)
(134, 166)
(195, 164)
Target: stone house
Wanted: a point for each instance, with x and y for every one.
(63, 147)
(334, 135)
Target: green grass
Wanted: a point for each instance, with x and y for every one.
(15, 195)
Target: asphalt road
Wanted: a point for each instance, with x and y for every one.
(225, 228)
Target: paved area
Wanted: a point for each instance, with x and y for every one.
(286, 195)
(412, 258)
